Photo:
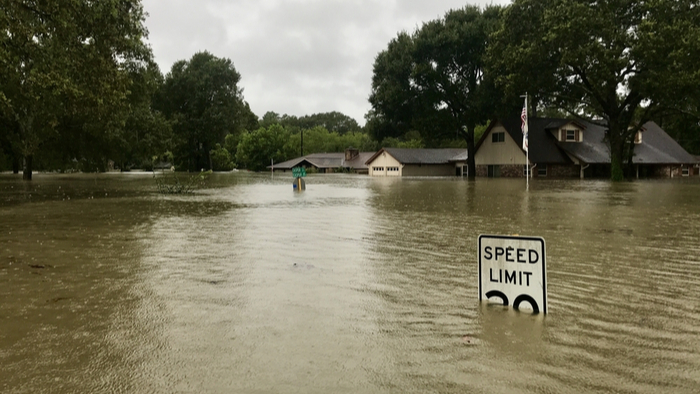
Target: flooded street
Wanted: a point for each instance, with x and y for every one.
(356, 285)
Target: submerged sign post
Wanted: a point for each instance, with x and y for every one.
(299, 173)
(513, 269)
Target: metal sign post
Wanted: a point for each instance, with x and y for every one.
(299, 173)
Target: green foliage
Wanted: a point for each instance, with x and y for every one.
(64, 67)
(221, 159)
(479, 131)
(435, 80)
(622, 61)
(319, 140)
(170, 183)
(146, 132)
(332, 121)
(391, 142)
(203, 100)
(257, 148)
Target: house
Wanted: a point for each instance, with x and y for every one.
(351, 160)
(417, 162)
(562, 148)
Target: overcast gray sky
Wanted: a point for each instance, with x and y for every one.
(295, 57)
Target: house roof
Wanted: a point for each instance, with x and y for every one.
(543, 148)
(423, 156)
(326, 160)
(657, 147)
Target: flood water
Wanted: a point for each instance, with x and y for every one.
(356, 285)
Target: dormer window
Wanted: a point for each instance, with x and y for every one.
(638, 137)
(569, 135)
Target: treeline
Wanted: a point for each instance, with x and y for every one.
(81, 92)
(80, 89)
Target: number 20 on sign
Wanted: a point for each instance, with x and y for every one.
(513, 269)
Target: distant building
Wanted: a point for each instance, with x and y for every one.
(418, 162)
(563, 148)
(352, 160)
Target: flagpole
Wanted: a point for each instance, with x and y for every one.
(526, 144)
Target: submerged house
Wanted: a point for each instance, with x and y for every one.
(574, 148)
(418, 162)
(352, 160)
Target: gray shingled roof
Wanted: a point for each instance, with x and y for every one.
(657, 147)
(424, 156)
(326, 160)
(543, 148)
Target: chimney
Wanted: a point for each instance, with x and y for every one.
(351, 153)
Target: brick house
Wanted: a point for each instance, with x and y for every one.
(566, 148)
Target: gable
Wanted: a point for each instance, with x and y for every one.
(382, 159)
(497, 146)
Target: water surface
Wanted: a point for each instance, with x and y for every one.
(356, 285)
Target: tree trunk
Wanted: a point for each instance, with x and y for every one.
(15, 164)
(471, 162)
(27, 173)
(617, 156)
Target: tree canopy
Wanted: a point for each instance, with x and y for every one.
(202, 98)
(434, 81)
(624, 62)
(332, 121)
(62, 60)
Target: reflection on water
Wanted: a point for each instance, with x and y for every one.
(356, 285)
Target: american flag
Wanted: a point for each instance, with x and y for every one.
(523, 126)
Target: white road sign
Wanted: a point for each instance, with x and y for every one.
(513, 269)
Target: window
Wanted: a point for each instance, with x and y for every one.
(378, 169)
(494, 171)
(526, 170)
(685, 171)
(392, 169)
(542, 171)
(571, 135)
(498, 137)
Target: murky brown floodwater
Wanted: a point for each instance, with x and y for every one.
(357, 285)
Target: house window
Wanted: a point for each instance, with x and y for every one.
(378, 169)
(526, 170)
(638, 138)
(498, 137)
(570, 135)
(542, 171)
(396, 169)
(494, 171)
(685, 171)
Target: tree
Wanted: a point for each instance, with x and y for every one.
(201, 96)
(257, 148)
(434, 81)
(146, 132)
(332, 121)
(62, 59)
(221, 159)
(622, 61)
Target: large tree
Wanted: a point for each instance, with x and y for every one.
(434, 81)
(146, 133)
(203, 99)
(624, 62)
(61, 59)
(258, 148)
